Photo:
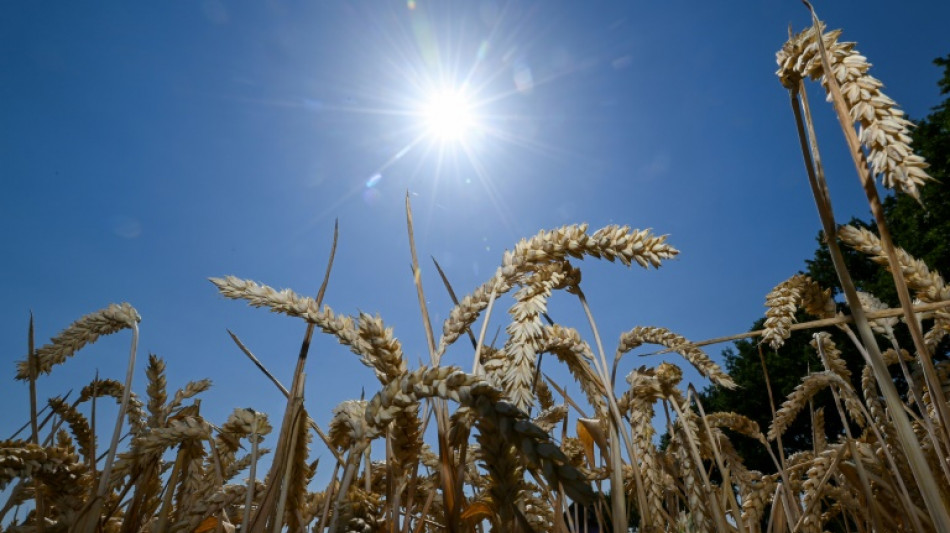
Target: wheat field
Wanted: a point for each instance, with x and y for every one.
(511, 450)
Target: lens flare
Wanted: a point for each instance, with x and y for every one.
(448, 115)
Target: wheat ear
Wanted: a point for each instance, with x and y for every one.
(84, 331)
(614, 243)
(474, 392)
(784, 301)
(883, 129)
(524, 330)
(664, 337)
(929, 286)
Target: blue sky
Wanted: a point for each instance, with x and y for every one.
(147, 147)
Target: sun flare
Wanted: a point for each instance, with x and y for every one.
(448, 115)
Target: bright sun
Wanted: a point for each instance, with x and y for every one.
(448, 115)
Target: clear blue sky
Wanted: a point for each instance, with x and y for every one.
(145, 147)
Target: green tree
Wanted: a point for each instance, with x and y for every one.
(923, 231)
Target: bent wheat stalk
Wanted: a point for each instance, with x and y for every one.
(792, 79)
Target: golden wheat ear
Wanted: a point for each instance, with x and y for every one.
(883, 129)
(86, 330)
(677, 343)
(797, 292)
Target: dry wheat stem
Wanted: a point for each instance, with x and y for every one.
(131, 318)
(615, 426)
(825, 348)
(840, 319)
(715, 442)
(819, 188)
(939, 513)
(34, 438)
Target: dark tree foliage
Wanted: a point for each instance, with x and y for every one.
(923, 231)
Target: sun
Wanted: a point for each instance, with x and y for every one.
(448, 115)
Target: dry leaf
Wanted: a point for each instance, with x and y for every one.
(207, 524)
(477, 511)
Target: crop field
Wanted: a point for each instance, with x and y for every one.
(497, 446)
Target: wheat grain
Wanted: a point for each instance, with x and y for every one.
(191, 389)
(544, 394)
(100, 388)
(810, 385)
(348, 426)
(366, 337)
(178, 430)
(883, 129)
(78, 425)
(56, 467)
(831, 358)
(664, 337)
(566, 344)
(928, 286)
(471, 391)
(300, 474)
(193, 485)
(819, 438)
(696, 498)
(209, 506)
(156, 390)
(361, 512)
(741, 424)
(645, 389)
(785, 300)
(812, 490)
(460, 426)
(549, 418)
(755, 493)
(243, 462)
(611, 243)
(822, 341)
(378, 349)
(86, 330)
(242, 422)
(525, 331)
(884, 326)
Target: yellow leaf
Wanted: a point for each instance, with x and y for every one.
(207, 524)
(587, 440)
(477, 511)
